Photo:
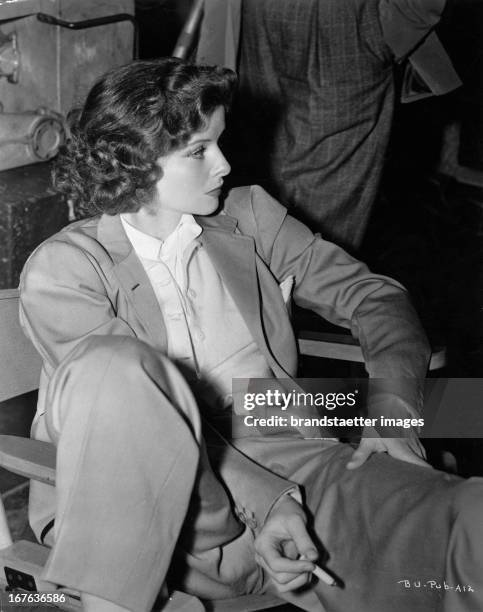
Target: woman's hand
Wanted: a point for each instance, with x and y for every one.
(281, 542)
(407, 449)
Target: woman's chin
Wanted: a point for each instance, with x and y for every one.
(212, 205)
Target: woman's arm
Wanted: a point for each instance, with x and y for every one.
(342, 289)
(63, 299)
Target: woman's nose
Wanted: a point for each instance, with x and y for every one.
(221, 167)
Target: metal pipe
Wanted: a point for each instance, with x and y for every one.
(187, 36)
(93, 23)
(86, 23)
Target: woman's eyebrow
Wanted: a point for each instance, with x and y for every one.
(208, 138)
(198, 141)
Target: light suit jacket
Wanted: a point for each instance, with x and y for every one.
(87, 279)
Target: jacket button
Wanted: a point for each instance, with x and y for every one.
(241, 515)
(252, 523)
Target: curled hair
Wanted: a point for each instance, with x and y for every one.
(132, 116)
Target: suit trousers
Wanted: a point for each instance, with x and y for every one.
(130, 462)
(397, 536)
(135, 487)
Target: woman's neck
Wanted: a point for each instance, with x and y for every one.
(157, 223)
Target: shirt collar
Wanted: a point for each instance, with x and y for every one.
(149, 247)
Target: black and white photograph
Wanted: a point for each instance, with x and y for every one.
(241, 305)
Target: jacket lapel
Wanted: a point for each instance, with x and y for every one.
(132, 277)
(233, 255)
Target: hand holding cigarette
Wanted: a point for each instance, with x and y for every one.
(285, 549)
(321, 574)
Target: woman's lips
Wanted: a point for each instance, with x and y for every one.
(214, 192)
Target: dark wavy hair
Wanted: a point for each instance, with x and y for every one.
(132, 116)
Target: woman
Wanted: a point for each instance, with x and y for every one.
(169, 270)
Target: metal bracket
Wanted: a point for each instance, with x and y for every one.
(19, 580)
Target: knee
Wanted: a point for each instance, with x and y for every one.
(124, 374)
(468, 506)
(120, 357)
(124, 350)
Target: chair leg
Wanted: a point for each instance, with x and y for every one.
(5, 536)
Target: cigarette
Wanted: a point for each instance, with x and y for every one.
(321, 574)
(324, 576)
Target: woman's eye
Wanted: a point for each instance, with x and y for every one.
(198, 153)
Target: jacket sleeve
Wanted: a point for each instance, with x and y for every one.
(253, 489)
(63, 300)
(376, 309)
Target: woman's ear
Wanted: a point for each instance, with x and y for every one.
(159, 170)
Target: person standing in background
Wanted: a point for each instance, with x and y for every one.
(317, 95)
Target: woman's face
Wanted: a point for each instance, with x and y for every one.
(193, 176)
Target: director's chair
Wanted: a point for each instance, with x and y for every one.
(21, 562)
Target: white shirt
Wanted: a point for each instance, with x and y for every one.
(207, 336)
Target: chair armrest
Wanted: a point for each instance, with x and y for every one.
(329, 346)
(346, 348)
(21, 364)
(29, 458)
